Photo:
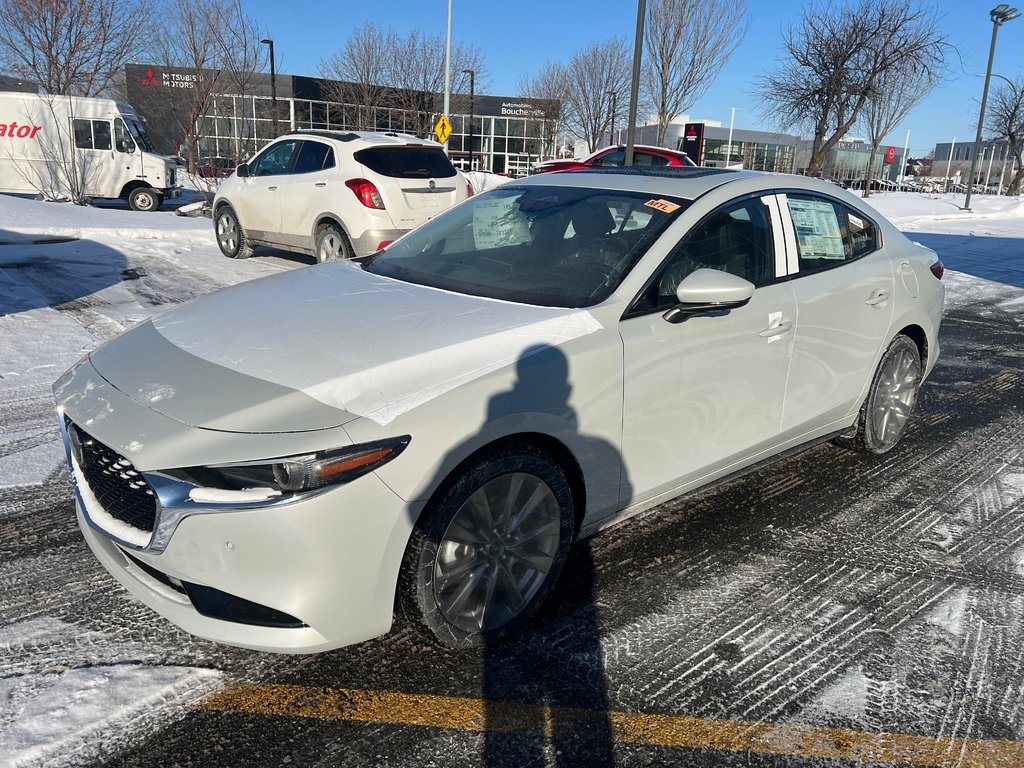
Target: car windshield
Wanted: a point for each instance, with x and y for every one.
(545, 245)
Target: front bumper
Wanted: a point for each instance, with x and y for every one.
(314, 573)
(330, 563)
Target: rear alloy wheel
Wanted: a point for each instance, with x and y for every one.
(488, 551)
(230, 235)
(891, 399)
(144, 199)
(331, 244)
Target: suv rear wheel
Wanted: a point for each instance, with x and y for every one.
(331, 243)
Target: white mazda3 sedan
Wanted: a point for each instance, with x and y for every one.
(283, 464)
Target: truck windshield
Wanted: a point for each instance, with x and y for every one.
(138, 130)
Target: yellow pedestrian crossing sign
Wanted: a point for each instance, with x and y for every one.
(443, 129)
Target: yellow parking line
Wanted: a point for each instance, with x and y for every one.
(467, 714)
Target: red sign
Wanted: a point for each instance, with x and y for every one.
(151, 78)
(890, 154)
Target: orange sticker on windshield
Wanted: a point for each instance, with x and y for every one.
(662, 205)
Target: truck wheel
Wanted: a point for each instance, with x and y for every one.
(230, 235)
(144, 199)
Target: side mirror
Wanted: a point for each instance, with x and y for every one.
(709, 290)
(242, 171)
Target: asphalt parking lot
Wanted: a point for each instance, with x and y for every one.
(828, 609)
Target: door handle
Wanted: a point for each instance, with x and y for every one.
(776, 330)
(320, 184)
(272, 189)
(878, 297)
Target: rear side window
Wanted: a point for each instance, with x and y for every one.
(92, 134)
(313, 156)
(828, 233)
(407, 162)
(645, 158)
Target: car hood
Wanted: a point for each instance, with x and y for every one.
(314, 348)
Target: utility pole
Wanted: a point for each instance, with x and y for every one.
(448, 68)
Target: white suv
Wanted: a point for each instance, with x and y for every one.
(334, 194)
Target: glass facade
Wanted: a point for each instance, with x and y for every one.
(756, 156)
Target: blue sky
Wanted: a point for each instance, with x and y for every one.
(518, 36)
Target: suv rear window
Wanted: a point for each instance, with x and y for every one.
(407, 162)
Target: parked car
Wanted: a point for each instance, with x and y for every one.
(276, 464)
(334, 194)
(612, 157)
(215, 167)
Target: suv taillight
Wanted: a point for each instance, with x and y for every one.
(469, 189)
(367, 193)
(938, 269)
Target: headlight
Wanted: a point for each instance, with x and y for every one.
(295, 474)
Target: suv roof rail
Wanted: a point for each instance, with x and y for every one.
(338, 135)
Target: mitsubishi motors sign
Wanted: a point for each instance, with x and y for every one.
(692, 143)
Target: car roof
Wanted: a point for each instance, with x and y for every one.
(368, 138)
(677, 181)
(689, 183)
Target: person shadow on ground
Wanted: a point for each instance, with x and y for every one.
(544, 688)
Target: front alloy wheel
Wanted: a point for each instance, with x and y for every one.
(487, 552)
(230, 237)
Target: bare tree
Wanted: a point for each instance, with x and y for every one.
(903, 90)
(1006, 121)
(217, 45)
(551, 84)
(416, 73)
(593, 73)
(71, 47)
(687, 42)
(357, 73)
(840, 55)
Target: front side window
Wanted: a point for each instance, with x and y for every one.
(275, 160)
(614, 158)
(122, 138)
(736, 239)
(550, 246)
(828, 233)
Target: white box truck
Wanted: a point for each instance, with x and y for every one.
(68, 146)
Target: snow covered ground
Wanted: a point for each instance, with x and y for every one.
(71, 278)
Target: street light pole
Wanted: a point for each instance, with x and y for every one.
(634, 88)
(1001, 14)
(611, 131)
(448, 68)
(728, 151)
(472, 93)
(273, 86)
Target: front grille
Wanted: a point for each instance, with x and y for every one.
(121, 489)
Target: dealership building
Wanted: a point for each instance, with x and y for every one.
(233, 115)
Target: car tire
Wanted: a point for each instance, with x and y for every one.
(489, 547)
(231, 237)
(331, 244)
(144, 199)
(891, 399)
